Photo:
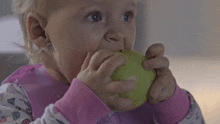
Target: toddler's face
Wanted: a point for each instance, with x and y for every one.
(84, 25)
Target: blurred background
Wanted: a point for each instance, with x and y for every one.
(189, 30)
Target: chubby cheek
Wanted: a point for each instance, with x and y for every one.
(70, 65)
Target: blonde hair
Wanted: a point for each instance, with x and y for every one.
(21, 8)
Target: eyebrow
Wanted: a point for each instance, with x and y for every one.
(133, 4)
(88, 6)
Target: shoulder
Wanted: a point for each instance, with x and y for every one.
(20, 73)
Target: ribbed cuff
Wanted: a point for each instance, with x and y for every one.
(174, 109)
(80, 105)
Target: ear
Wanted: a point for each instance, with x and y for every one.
(36, 28)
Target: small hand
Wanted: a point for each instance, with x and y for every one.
(163, 86)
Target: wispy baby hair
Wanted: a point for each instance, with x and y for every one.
(20, 9)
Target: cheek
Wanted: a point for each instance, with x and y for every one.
(70, 66)
(91, 31)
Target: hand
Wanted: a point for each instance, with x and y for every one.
(95, 73)
(163, 86)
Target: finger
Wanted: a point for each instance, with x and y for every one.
(157, 87)
(87, 59)
(109, 66)
(119, 87)
(155, 50)
(156, 63)
(122, 104)
(161, 97)
(168, 90)
(100, 57)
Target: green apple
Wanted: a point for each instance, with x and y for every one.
(134, 66)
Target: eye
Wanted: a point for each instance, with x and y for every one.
(127, 15)
(95, 16)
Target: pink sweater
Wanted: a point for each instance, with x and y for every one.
(31, 95)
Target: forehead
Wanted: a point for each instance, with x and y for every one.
(109, 1)
(76, 6)
(100, 2)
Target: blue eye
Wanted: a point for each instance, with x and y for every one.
(95, 17)
(127, 15)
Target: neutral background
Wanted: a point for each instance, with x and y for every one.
(189, 30)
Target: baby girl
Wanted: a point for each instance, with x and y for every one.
(68, 79)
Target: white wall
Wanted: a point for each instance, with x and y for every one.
(190, 32)
(186, 28)
(10, 31)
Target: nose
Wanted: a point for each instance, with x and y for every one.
(115, 32)
(114, 36)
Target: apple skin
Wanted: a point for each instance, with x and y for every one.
(134, 66)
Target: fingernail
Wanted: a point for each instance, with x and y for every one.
(133, 77)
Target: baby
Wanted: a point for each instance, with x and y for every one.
(68, 79)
